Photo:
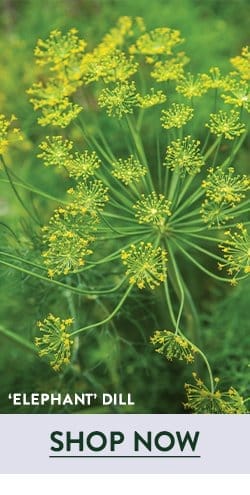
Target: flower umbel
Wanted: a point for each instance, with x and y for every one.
(159, 41)
(152, 209)
(173, 346)
(120, 100)
(242, 63)
(171, 69)
(184, 156)
(63, 52)
(202, 401)
(8, 134)
(91, 195)
(56, 342)
(151, 99)
(238, 94)
(226, 124)
(129, 170)
(146, 265)
(56, 151)
(236, 251)
(191, 86)
(225, 187)
(67, 238)
(176, 116)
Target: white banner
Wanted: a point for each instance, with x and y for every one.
(126, 443)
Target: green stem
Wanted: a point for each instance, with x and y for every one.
(181, 292)
(106, 320)
(18, 339)
(202, 250)
(16, 192)
(191, 343)
(36, 191)
(212, 148)
(13, 256)
(204, 270)
(60, 284)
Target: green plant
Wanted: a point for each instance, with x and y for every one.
(135, 214)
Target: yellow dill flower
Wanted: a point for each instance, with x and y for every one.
(202, 401)
(146, 265)
(242, 63)
(176, 116)
(226, 124)
(151, 99)
(58, 151)
(213, 80)
(191, 85)
(91, 195)
(171, 69)
(236, 251)
(8, 134)
(117, 35)
(82, 165)
(108, 65)
(62, 52)
(67, 238)
(225, 187)
(119, 100)
(153, 209)
(52, 99)
(56, 341)
(61, 115)
(184, 156)
(66, 252)
(216, 213)
(52, 93)
(239, 93)
(129, 170)
(173, 346)
(55, 151)
(159, 41)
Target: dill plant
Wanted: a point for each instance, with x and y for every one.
(135, 212)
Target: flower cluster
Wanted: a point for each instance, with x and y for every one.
(67, 238)
(159, 41)
(153, 209)
(129, 170)
(8, 134)
(226, 124)
(111, 66)
(120, 100)
(223, 191)
(63, 55)
(151, 99)
(236, 251)
(91, 194)
(171, 69)
(238, 94)
(225, 186)
(173, 346)
(242, 63)
(58, 151)
(191, 86)
(176, 116)
(56, 342)
(202, 401)
(214, 79)
(146, 265)
(184, 156)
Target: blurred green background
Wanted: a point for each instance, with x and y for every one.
(214, 31)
